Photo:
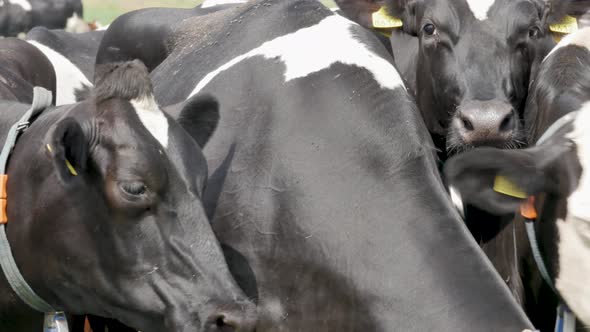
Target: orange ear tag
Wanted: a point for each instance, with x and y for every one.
(527, 209)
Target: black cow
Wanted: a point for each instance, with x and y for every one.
(324, 188)
(73, 56)
(155, 24)
(18, 16)
(469, 61)
(105, 213)
(23, 67)
(554, 171)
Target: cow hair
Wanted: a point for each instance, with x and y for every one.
(125, 80)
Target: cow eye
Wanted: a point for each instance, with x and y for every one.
(429, 29)
(134, 188)
(534, 32)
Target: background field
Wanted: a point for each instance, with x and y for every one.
(106, 10)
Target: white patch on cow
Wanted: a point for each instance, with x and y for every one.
(579, 200)
(69, 78)
(579, 38)
(312, 49)
(152, 117)
(574, 265)
(574, 232)
(457, 200)
(213, 3)
(23, 3)
(76, 24)
(480, 8)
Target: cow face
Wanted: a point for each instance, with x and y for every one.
(115, 197)
(557, 174)
(473, 61)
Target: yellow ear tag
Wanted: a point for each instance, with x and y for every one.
(568, 25)
(382, 20)
(71, 168)
(504, 186)
(68, 164)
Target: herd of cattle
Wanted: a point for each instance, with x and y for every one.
(275, 165)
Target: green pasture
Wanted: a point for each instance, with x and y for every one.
(105, 11)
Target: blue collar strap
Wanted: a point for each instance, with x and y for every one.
(41, 100)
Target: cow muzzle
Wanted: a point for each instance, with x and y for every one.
(484, 123)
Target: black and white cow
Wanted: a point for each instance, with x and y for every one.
(22, 67)
(105, 214)
(324, 189)
(469, 62)
(73, 57)
(555, 171)
(18, 16)
(154, 23)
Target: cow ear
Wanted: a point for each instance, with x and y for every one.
(199, 116)
(68, 148)
(560, 8)
(360, 11)
(495, 180)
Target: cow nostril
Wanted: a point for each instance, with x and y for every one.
(507, 123)
(467, 124)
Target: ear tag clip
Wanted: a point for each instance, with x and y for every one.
(568, 25)
(504, 186)
(68, 164)
(382, 20)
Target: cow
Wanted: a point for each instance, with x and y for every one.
(155, 23)
(73, 56)
(324, 191)
(469, 64)
(105, 214)
(554, 171)
(18, 16)
(23, 67)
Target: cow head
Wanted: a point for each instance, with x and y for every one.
(106, 214)
(473, 61)
(557, 174)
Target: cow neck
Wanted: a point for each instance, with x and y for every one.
(41, 100)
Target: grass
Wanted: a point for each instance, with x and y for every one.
(105, 11)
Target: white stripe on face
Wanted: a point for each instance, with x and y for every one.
(331, 40)
(213, 3)
(69, 78)
(480, 8)
(152, 118)
(23, 3)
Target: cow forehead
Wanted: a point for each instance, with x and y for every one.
(480, 8)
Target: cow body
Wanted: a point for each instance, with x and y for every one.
(72, 55)
(319, 167)
(554, 171)
(105, 216)
(19, 16)
(23, 67)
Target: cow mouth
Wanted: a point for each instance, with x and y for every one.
(455, 145)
